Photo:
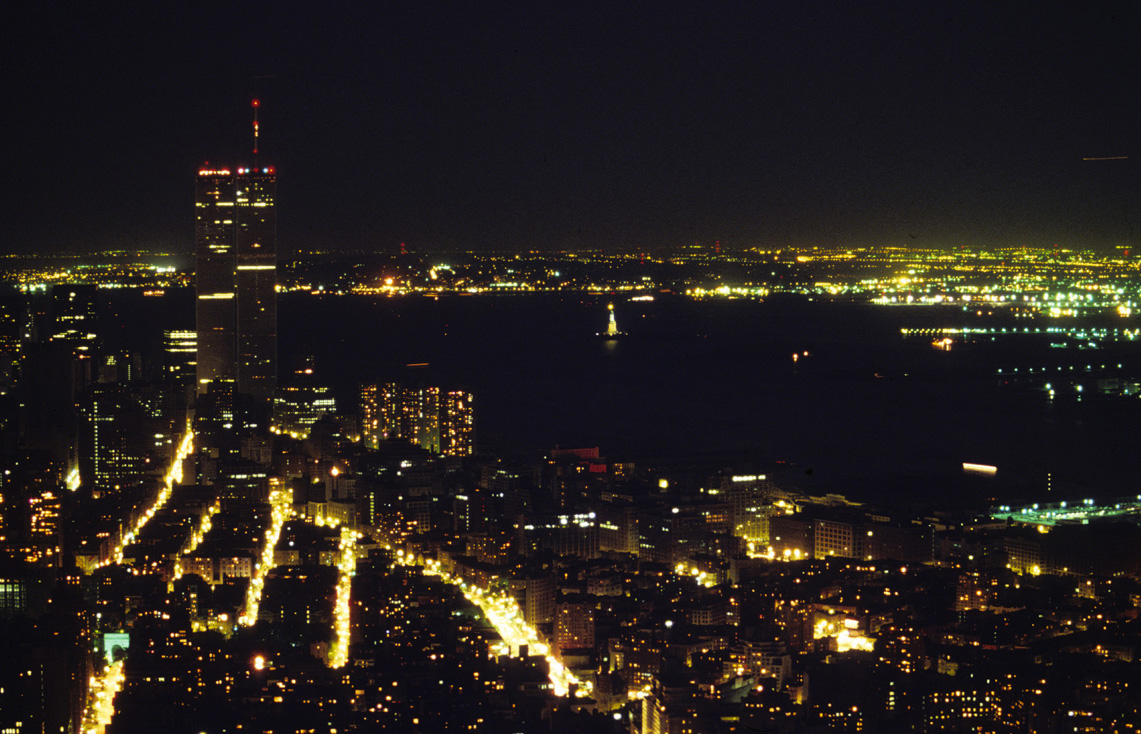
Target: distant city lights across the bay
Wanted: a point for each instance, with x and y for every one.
(770, 368)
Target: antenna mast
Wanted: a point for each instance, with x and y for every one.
(255, 104)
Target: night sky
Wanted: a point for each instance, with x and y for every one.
(612, 125)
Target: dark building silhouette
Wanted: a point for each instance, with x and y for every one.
(74, 317)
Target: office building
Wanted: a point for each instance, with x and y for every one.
(535, 594)
(301, 402)
(113, 447)
(236, 271)
(74, 316)
(11, 338)
(180, 357)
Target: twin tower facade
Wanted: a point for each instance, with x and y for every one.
(236, 274)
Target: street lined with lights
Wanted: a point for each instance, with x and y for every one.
(101, 698)
(204, 525)
(504, 614)
(346, 568)
(281, 507)
(101, 702)
(173, 475)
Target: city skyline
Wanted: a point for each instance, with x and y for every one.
(805, 401)
(447, 129)
(361, 566)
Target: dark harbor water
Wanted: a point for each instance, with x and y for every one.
(867, 412)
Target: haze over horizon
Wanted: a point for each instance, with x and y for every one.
(593, 126)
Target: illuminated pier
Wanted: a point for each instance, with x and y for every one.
(1081, 511)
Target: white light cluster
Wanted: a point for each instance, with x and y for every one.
(702, 578)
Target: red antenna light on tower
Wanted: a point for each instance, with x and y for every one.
(255, 104)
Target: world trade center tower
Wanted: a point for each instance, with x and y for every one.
(236, 279)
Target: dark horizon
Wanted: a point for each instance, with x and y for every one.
(597, 126)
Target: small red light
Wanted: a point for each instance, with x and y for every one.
(256, 103)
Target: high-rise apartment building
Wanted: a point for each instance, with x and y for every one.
(371, 401)
(441, 421)
(457, 423)
(574, 624)
(236, 272)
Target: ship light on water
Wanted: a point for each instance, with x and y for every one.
(979, 468)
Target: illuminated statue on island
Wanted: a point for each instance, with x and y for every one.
(612, 327)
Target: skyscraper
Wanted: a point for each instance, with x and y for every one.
(236, 270)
